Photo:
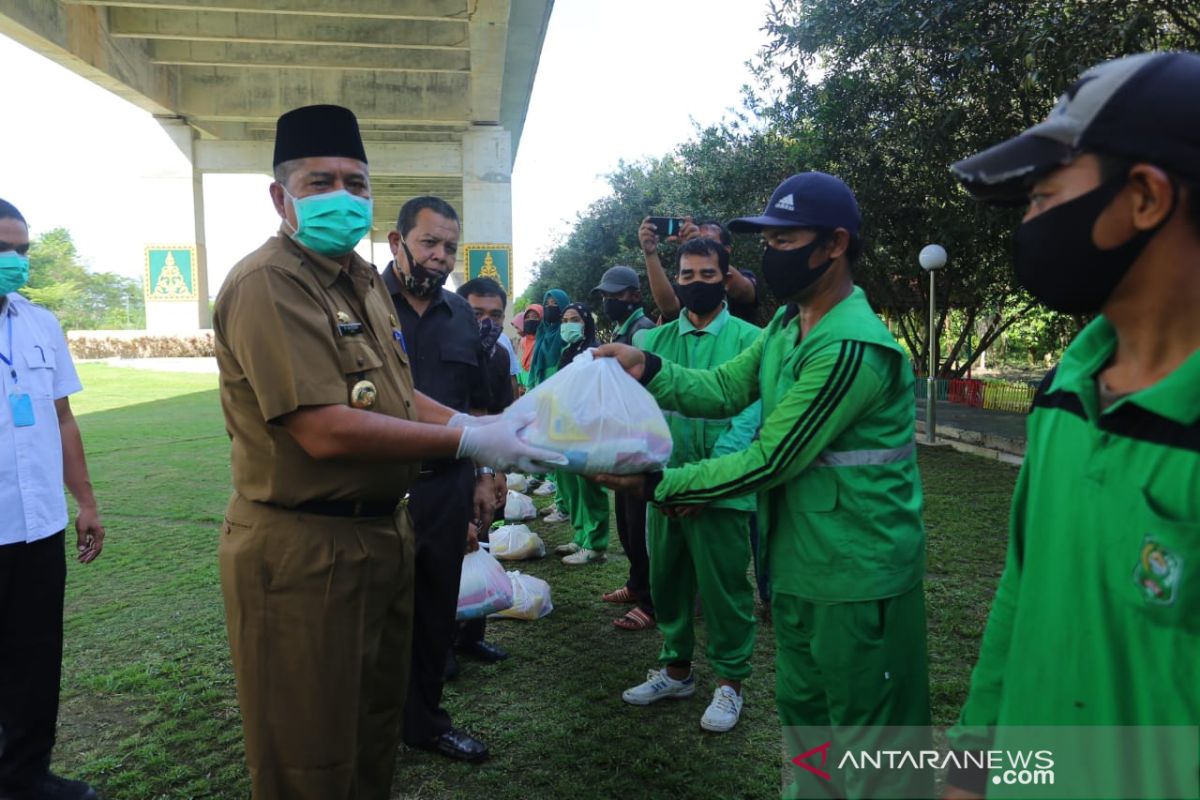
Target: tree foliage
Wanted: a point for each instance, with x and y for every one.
(885, 94)
(907, 88)
(81, 300)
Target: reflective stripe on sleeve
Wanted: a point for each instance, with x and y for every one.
(864, 458)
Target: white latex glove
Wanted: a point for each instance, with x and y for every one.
(498, 446)
(461, 420)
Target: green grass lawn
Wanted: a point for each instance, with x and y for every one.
(148, 705)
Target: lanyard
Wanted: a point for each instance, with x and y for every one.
(8, 360)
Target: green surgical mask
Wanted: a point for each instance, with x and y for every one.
(571, 332)
(331, 223)
(14, 271)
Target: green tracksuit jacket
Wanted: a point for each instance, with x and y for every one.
(835, 463)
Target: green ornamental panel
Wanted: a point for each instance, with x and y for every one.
(489, 261)
(170, 272)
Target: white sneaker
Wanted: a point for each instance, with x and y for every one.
(546, 488)
(584, 556)
(657, 686)
(567, 549)
(557, 516)
(550, 509)
(723, 712)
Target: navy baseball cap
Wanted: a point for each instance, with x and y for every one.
(1142, 107)
(617, 279)
(807, 200)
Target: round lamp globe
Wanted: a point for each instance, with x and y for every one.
(933, 256)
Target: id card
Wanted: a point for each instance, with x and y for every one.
(22, 410)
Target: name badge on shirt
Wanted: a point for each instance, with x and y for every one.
(22, 410)
(398, 335)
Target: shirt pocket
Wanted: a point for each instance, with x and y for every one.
(37, 378)
(358, 359)
(1161, 569)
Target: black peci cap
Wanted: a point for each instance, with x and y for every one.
(318, 131)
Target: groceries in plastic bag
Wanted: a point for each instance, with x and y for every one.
(519, 507)
(484, 587)
(517, 482)
(516, 543)
(531, 598)
(597, 416)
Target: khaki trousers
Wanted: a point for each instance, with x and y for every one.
(319, 613)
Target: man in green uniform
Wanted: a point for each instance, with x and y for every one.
(708, 550)
(316, 549)
(835, 468)
(1096, 621)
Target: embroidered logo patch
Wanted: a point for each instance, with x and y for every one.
(787, 203)
(1158, 573)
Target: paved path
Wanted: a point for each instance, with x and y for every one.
(996, 434)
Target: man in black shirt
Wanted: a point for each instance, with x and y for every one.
(441, 338)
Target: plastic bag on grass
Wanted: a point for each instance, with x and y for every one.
(517, 482)
(484, 587)
(516, 543)
(531, 598)
(597, 416)
(519, 507)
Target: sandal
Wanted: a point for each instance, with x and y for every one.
(635, 620)
(622, 595)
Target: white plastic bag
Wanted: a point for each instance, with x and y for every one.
(597, 416)
(517, 482)
(519, 507)
(484, 587)
(531, 598)
(516, 543)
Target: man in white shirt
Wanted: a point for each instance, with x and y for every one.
(40, 449)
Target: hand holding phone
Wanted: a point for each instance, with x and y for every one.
(666, 227)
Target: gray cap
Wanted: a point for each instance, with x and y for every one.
(618, 279)
(1140, 107)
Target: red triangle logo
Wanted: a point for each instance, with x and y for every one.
(801, 760)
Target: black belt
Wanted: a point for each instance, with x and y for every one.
(431, 468)
(345, 508)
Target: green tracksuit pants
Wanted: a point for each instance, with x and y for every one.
(709, 552)
(855, 674)
(561, 502)
(587, 505)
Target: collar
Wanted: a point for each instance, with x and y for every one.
(713, 328)
(637, 314)
(1176, 397)
(326, 268)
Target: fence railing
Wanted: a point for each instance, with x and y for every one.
(990, 394)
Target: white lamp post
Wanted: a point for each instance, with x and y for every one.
(932, 258)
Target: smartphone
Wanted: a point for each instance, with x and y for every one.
(667, 226)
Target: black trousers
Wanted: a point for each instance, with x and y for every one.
(33, 578)
(441, 508)
(631, 529)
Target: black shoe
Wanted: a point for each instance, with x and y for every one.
(458, 745)
(490, 653)
(51, 787)
(451, 670)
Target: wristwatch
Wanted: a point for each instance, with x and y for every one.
(482, 471)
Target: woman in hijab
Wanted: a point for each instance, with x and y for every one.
(586, 501)
(549, 344)
(527, 327)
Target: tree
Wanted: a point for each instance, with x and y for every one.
(910, 87)
(80, 299)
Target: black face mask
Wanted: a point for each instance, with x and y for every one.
(787, 272)
(530, 327)
(618, 310)
(702, 298)
(553, 315)
(420, 282)
(1058, 263)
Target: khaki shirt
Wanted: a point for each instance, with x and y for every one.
(279, 348)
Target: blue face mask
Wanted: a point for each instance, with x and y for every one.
(14, 271)
(331, 223)
(571, 332)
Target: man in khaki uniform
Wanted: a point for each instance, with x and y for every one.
(327, 433)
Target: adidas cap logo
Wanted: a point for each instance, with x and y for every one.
(786, 203)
